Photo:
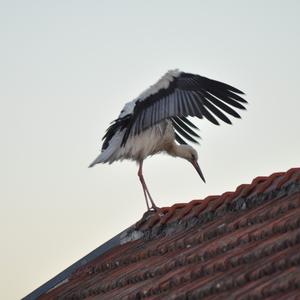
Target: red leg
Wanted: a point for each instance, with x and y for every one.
(140, 174)
(145, 189)
(151, 200)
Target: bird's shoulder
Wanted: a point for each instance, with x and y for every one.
(162, 84)
(128, 108)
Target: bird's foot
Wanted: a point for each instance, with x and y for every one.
(156, 209)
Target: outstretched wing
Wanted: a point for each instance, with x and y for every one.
(178, 95)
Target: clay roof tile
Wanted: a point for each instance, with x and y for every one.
(243, 244)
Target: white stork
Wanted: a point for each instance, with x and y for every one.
(152, 122)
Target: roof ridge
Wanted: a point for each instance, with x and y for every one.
(180, 211)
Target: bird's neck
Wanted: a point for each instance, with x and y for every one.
(179, 151)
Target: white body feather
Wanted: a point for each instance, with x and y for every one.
(151, 141)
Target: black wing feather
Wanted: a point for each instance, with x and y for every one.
(185, 127)
(116, 125)
(183, 133)
(186, 95)
(188, 122)
(216, 111)
(221, 105)
(179, 139)
(227, 99)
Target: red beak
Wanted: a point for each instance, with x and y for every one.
(196, 166)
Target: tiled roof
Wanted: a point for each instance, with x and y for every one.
(240, 245)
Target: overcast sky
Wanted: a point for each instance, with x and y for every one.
(66, 70)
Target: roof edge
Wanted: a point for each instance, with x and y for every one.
(64, 275)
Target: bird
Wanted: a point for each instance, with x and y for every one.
(157, 121)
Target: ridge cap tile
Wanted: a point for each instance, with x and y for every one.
(258, 186)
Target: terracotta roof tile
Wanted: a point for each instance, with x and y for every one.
(239, 245)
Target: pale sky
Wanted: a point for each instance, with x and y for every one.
(68, 67)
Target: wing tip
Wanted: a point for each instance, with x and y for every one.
(237, 91)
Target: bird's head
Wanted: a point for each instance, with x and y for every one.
(190, 154)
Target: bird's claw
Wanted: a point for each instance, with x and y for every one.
(157, 210)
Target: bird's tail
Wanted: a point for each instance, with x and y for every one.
(106, 156)
(112, 151)
(98, 160)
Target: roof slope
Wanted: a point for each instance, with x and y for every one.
(240, 245)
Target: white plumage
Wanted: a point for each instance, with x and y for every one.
(162, 83)
(152, 122)
(149, 142)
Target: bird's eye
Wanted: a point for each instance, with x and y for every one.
(193, 157)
